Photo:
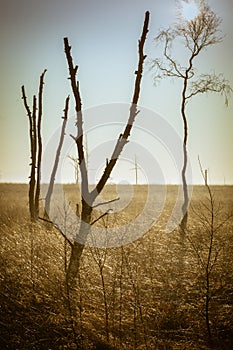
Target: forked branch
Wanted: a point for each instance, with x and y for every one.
(122, 139)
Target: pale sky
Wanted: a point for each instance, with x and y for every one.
(104, 35)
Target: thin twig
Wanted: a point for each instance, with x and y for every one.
(57, 228)
(107, 202)
(106, 213)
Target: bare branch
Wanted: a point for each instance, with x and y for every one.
(32, 134)
(196, 34)
(39, 142)
(171, 68)
(57, 228)
(197, 251)
(163, 71)
(211, 83)
(79, 116)
(202, 31)
(57, 157)
(32, 182)
(173, 64)
(107, 202)
(122, 140)
(106, 213)
(26, 104)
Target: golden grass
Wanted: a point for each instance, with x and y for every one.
(147, 295)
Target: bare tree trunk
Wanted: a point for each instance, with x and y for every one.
(89, 197)
(185, 155)
(78, 245)
(35, 140)
(32, 183)
(56, 162)
(32, 136)
(39, 143)
(185, 192)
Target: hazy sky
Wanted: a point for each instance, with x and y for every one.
(104, 36)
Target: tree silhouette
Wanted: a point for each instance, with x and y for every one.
(88, 197)
(56, 161)
(36, 148)
(195, 35)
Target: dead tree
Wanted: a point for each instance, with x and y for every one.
(39, 143)
(88, 197)
(56, 161)
(195, 36)
(76, 167)
(32, 177)
(36, 148)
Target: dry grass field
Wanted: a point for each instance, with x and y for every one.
(150, 294)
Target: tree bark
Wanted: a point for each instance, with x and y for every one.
(79, 244)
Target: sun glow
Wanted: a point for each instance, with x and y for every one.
(188, 9)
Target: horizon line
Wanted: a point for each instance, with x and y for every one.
(120, 184)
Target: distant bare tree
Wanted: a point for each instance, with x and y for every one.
(88, 197)
(76, 167)
(195, 35)
(36, 148)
